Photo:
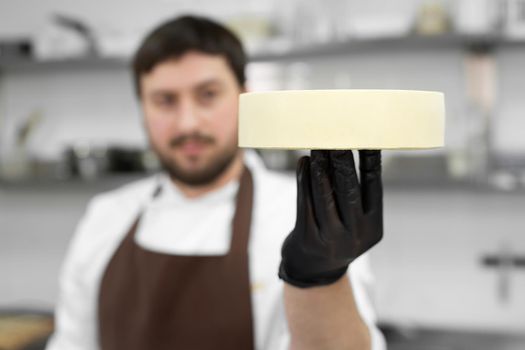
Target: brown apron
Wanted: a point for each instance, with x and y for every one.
(156, 301)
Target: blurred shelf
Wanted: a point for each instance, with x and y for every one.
(81, 63)
(412, 43)
(482, 43)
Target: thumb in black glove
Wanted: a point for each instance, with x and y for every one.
(338, 218)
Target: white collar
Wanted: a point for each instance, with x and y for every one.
(171, 194)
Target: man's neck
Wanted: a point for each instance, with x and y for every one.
(232, 172)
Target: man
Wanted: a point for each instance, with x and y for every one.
(190, 259)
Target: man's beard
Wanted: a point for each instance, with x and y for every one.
(201, 177)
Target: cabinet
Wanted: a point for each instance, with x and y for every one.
(431, 266)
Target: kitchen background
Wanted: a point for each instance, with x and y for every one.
(450, 272)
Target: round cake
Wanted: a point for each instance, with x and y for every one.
(342, 119)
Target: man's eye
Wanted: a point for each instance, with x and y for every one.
(207, 96)
(164, 100)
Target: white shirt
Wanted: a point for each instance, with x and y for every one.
(172, 223)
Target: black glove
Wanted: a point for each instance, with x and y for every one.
(338, 219)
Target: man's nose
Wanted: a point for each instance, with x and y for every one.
(188, 117)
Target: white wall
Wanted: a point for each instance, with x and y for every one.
(429, 269)
(509, 128)
(22, 18)
(91, 105)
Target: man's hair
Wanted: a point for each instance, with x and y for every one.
(176, 37)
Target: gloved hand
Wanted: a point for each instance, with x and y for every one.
(338, 219)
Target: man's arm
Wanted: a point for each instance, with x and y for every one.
(325, 318)
(338, 219)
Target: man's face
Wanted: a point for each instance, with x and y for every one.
(190, 107)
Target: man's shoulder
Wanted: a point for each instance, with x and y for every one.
(269, 181)
(278, 179)
(124, 197)
(274, 183)
(275, 192)
(107, 216)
